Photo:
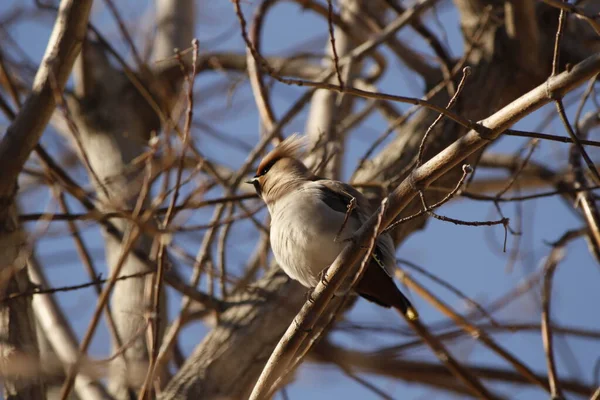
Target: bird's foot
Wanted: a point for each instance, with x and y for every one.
(309, 294)
(323, 277)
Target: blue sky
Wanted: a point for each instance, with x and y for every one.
(469, 258)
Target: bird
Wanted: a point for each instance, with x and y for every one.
(312, 218)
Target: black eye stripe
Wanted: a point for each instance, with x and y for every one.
(267, 168)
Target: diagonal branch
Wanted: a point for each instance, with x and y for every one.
(25, 131)
(486, 131)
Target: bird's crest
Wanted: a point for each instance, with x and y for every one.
(290, 147)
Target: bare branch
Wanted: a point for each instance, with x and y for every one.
(60, 334)
(522, 28)
(175, 21)
(487, 130)
(23, 134)
(430, 374)
(16, 323)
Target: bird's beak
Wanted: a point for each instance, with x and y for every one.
(254, 182)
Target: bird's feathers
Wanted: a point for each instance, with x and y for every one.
(337, 196)
(310, 219)
(341, 193)
(291, 148)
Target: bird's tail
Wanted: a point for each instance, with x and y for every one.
(406, 308)
(377, 286)
(401, 302)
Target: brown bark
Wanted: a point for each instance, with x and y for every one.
(112, 124)
(17, 331)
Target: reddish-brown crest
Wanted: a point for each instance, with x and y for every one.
(290, 147)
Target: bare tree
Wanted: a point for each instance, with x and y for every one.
(152, 168)
(17, 329)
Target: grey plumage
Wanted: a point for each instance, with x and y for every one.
(307, 216)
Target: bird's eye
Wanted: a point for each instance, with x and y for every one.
(266, 168)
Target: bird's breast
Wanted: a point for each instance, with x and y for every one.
(303, 231)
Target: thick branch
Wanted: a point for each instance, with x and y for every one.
(244, 337)
(488, 130)
(25, 131)
(424, 372)
(175, 27)
(16, 320)
(98, 136)
(522, 28)
(60, 335)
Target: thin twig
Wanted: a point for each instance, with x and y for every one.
(552, 261)
(357, 52)
(452, 289)
(466, 171)
(464, 375)
(371, 246)
(124, 32)
(520, 168)
(221, 250)
(558, 99)
(98, 215)
(427, 209)
(130, 238)
(461, 85)
(482, 197)
(473, 44)
(336, 60)
(158, 280)
(475, 332)
(349, 210)
(546, 136)
(563, 116)
(585, 200)
(95, 282)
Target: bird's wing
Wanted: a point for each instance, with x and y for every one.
(337, 196)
